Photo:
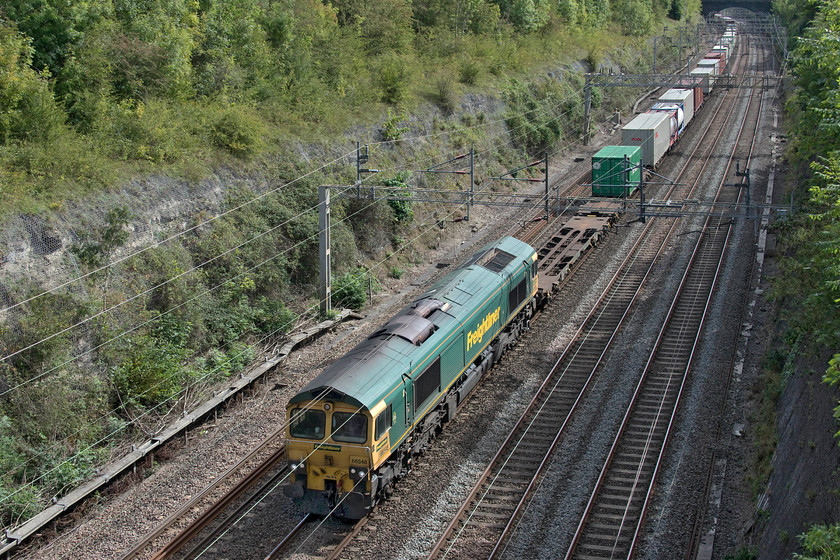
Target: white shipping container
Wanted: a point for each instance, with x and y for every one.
(684, 97)
(706, 75)
(720, 47)
(713, 63)
(651, 132)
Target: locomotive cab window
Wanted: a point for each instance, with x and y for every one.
(309, 424)
(383, 423)
(534, 269)
(349, 427)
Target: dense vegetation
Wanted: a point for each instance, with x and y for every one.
(810, 283)
(95, 92)
(92, 91)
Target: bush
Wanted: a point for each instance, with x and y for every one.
(445, 92)
(821, 541)
(273, 317)
(401, 208)
(18, 503)
(239, 131)
(151, 372)
(634, 16)
(392, 77)
(391, 129)
(350, 290)
(27, 108)
(468, 71)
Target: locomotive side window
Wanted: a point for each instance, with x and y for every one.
(383, 422)
(426, 384)
(517, 295)
(308, 424)
(534, 269)
(349, 427)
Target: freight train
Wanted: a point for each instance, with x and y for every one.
(354, 430)
(617, 170)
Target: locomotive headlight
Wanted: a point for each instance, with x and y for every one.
(352, 471)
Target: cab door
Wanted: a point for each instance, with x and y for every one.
(407, 395)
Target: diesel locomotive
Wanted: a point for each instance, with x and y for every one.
(354, 430)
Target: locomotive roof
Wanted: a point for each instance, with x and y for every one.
(368, 372)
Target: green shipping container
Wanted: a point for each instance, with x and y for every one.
(608, 175)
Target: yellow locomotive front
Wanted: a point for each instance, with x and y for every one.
(327, 446)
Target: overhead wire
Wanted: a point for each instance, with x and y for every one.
(256, 266)
(173, 278)
(256, 199)
(150, 388)
(177, 276)
(208, 374)
(176, 235)
(257, 236)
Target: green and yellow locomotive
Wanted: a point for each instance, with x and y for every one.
(353, 431)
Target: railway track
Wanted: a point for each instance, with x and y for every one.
(606, 319)
(612, 520)
(490, 512)
(167, 540)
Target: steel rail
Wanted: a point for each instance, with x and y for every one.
(336, 553)
(525, 495)
(181, 512)
(715, 226)
(209, 515)
(710, 246)
(237, 514)
(696, 537)
(485, 475)
(275, 552)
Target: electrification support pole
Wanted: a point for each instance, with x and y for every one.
(358, 170)
(625, 176)
(641, 201)
(587, 107)
(654, 53)
(681, 64)
(472, 181)
(360, 159)
(546, 187)
(697, 41)
(324, 248)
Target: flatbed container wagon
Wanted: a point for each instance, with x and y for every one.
(697, 86)
(721, 56)
(723, 46)
(676, 114)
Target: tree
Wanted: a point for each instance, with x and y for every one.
(526, 15)
(55, 26)
(234, 56)
(168, 29)
(634, 16)
(27, 107)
